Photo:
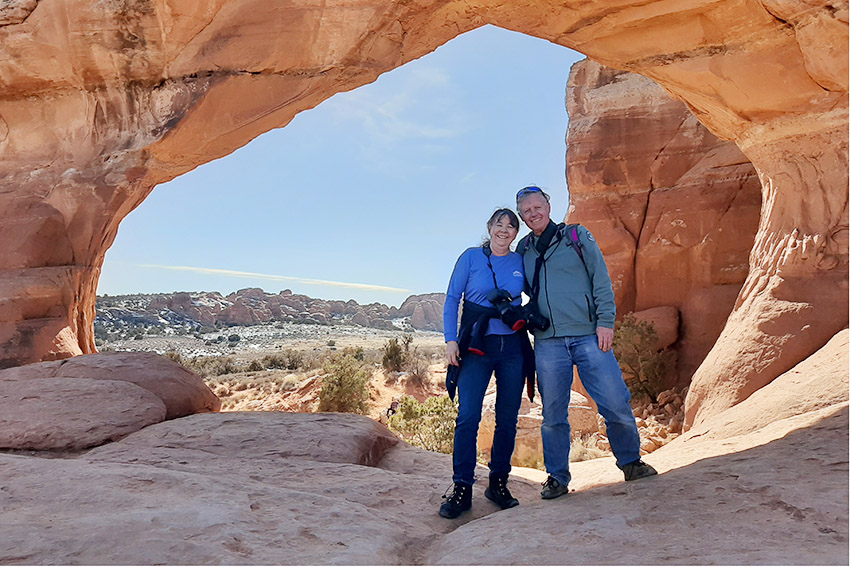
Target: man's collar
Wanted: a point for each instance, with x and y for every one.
(549, 227)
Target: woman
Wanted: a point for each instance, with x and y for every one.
(486, 343)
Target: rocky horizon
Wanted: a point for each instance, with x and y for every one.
(205, 311)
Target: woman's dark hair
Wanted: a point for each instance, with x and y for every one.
(499, 215)
(513, 220)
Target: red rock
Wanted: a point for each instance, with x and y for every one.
(181, 392)
(72, 413)
(665, 321)
(673, 207)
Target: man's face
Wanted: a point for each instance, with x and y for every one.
(534, 210)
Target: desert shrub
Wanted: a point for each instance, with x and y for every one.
(393, 359)
(288, 360)
(645, 370)
(429, 425)
(206, 365)
(255, 366)
(417, 370)
(357, 352)
(178, 358)
(398, 356)
(345, 386)
(234, 338)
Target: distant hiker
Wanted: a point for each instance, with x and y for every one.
(572, 296)
(393, 409)
(490, 280)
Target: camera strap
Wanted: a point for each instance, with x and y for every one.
(488, 252)
(542, 245)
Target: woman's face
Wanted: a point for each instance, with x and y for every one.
(502, 234)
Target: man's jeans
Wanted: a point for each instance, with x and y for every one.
(503, 355)
(600, 373)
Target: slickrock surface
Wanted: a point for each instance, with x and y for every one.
(279, 488)
(91, 399)
(232, 488)
(72, 413)
(764, 482)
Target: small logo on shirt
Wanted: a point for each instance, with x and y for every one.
(590, 237)
(517, 274)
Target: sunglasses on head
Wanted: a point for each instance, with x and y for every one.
(527, 190)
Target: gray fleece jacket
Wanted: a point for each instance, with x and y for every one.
(574, 299)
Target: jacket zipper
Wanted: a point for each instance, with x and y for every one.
(589, 312)
(548, 304)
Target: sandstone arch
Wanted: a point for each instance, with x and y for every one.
(102, 101)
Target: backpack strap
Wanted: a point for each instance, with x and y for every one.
(574, 242)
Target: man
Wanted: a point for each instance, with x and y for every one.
(571, 289)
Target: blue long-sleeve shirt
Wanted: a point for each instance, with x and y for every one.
(472, 279)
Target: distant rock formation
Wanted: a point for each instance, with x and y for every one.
(253, 306)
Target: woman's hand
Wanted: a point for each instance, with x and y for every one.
(452, 353)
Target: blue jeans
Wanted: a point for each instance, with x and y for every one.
(504, 356)
(600, 373)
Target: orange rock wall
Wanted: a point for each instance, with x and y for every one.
(674, 208)
(101, 101)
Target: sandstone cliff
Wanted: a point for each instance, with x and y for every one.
(674, 208)
(103, 101)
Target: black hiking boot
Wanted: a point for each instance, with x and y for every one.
(499, 494)
(638, 469)
(553, 489)
(458, 502)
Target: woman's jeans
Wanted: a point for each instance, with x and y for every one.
(600, 373)
(504, 356)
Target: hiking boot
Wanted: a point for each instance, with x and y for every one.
(638, 469)
(499, 494)
(553, 489)
(458, 502)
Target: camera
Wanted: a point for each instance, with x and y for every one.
(533, 318)
(511, 315)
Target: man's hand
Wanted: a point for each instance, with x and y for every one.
(452, 352)
(606, 338)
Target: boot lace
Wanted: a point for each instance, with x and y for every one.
(458, 491)
(500, 487)
(551, 482)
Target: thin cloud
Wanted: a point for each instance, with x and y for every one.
(307, 281)
(423, 107)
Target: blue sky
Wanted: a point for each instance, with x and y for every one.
(370, 196)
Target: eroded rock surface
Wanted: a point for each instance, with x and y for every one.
(280, 488)
(674, 208)
(233, 488)
(91, 399)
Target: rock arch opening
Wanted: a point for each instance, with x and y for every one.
(382, 185)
